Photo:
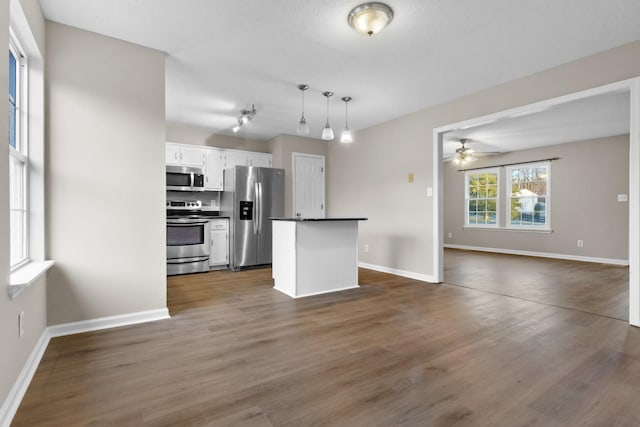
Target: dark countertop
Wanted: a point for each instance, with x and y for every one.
(301, 219)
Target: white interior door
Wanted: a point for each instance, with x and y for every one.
(308, 185)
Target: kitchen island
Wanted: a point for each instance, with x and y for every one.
(315, 255)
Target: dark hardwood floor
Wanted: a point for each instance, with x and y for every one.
(393, 352)
(593, 288)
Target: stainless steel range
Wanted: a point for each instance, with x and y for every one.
(187, 238)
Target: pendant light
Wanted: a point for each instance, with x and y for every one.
(346, 133)
(303, 127)
(327, 132)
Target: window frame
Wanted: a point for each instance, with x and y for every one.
(492, 170)
(20, 153)
(528, 227)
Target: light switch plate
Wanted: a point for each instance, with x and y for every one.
(623, 198)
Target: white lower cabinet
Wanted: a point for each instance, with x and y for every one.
(219, 254)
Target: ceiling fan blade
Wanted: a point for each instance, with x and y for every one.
(486, 153)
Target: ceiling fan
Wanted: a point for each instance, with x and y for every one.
(465, 155)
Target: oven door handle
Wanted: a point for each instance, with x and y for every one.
(187, 224)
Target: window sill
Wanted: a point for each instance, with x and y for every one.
(517, 230)
(26, 275)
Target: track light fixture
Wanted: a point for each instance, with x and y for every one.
(245, 117)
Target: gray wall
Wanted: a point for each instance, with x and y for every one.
(370, 176)
(32, 300)
(585, 183)
(105, 176)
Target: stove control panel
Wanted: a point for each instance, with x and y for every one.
(184, 204)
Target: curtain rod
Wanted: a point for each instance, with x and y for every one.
(509, 164)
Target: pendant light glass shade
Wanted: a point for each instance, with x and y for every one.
(327, 132)
(303, 127)
(346, 136)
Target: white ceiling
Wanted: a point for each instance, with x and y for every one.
(595, 117)
(225, 55)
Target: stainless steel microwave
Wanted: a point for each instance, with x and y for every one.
(185, 178)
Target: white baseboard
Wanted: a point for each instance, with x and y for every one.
(403, 273)
(11, 404)
(108, 322)
(315, 293)
(612, 261)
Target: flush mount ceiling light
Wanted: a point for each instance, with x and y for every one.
(303, 127)
(346, 133)
(370, 18)
(327, 132)
(245, 117)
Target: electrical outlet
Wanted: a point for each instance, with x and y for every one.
(580, 243)
(366, 248)
(21, 324)
(623, 198)
(450, 235)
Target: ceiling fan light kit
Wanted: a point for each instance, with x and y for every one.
(370, 18)
(464, 155)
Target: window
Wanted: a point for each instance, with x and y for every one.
(481, 198)
(528, 197)
(18, 157)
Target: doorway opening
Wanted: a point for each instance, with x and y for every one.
(630, 87)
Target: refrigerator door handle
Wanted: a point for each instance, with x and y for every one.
(256, 202)
(260, 207)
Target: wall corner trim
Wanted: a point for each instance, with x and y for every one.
(612, 261)
(17, 392)
(397, 272)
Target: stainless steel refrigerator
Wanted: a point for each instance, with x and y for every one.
(251, 196)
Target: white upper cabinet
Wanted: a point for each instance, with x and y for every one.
(237, 158)
(214, 160)
(191, 156)
(248, 158)
(262, 160)
(172, 154)
(214, 169)
(178, 154)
